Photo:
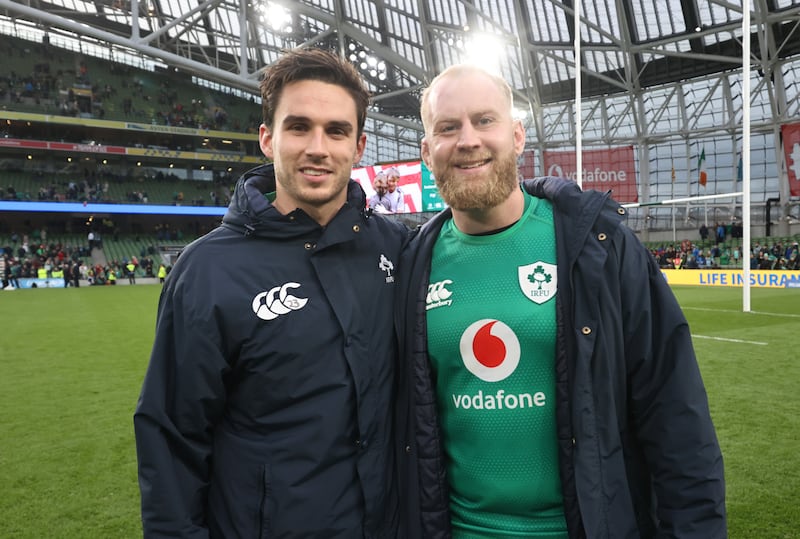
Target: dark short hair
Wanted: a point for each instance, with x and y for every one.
(312, 64)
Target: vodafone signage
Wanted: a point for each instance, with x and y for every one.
(603, 170)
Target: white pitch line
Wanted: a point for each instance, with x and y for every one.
(779, 315)
(728, 340)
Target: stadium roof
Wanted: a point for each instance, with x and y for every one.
(626, 45)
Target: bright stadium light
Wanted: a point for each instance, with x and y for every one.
(277, 17)
(484, 50)
(369, 64)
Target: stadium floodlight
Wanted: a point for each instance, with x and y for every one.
(366, 62)
(277, 17)
(484, 50)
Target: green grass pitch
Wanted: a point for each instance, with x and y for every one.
(73, 360)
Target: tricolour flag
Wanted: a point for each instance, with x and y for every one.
(740, 169)
(702, 166)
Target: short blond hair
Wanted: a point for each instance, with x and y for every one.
(459, 70)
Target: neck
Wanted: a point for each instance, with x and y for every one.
(323, 214)
(483, 220)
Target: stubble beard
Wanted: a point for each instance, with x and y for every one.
(483, 193)
(311, 196)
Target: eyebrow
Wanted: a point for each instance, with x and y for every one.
(344, 125)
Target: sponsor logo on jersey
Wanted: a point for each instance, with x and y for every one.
(538, 281)
(385, 265)
(276, 301)
(491, 351)
(438, 295)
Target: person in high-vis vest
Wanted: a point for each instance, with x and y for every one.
(130, 267)
(162, 273)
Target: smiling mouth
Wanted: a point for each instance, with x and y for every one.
(314, 172)
(473, 164)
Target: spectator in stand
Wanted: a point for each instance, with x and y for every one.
(75, 274)
(5, 269)
(380, 202)
(710, 260)
(793, 262)
(15, 272)
(703, 232)
(395, 193)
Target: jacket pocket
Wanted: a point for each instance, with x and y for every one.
(264, 506)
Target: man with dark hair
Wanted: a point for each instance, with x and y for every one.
(266, 408)
(549, 387)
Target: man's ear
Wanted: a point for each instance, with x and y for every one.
(425, 153)
(265, 141)
(519, 137)
(361, 144)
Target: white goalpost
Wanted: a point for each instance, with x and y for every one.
(745, 193)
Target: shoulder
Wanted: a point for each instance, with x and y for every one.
(387, 227)
(213, 248)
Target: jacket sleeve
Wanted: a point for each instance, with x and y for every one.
(669, 405)
(181, 401)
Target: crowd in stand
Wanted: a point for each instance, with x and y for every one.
(688, 255)
(23, 258)
(95, 188)
(60, 89)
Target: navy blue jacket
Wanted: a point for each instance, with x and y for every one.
(638, 453)
(266, 408)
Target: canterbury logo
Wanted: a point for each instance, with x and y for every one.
(438, 295)
(269, 307)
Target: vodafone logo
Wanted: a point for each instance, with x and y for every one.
(556, 170)
(490, 350)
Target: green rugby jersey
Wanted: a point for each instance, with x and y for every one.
(491, 340)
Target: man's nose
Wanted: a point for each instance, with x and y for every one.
(468, 136)
(317, 142)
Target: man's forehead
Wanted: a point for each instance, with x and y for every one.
(465, 90)
(313, 100)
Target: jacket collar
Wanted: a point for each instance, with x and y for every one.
(251, 212)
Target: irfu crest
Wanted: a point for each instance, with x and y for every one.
(538, 281)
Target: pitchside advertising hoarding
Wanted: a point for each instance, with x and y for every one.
(758, 278)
